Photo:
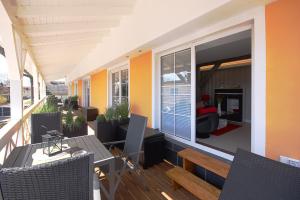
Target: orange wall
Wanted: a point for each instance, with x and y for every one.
(141, 85)
(79, 92)
(99, 90)
(283, 78)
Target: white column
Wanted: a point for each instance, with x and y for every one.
(258, 99)
(35, 84)
(16, 85)
(16, 99)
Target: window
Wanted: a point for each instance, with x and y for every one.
(76, 89)
(28, 94)
(4, 90)
(86, 92)
(119, 87)
(176, 94)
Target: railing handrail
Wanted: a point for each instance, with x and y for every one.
(7, 131)
(31, 109)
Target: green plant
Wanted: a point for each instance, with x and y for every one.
(79, 121)
(101, 118)
(52, 100)
(46, 108)
(68, 120)
(122, 111)
(74, 98)
(110, 114)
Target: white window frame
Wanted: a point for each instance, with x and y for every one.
(118, 68)
(76, 88)
(254, 20)
(84, 99)
(174, 51)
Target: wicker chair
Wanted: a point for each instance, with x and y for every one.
(43, 122)
(253, 177)
(70, 178)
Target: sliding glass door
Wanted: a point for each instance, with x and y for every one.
(176, 94)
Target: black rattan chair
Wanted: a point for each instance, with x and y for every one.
(253, 177)
(128, 160)
(43, 122)
(70, 178)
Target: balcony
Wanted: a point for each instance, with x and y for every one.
(135, 99)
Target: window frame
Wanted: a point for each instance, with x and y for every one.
(118, 68)
(85, 82)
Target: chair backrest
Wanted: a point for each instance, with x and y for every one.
(255, 177)
(43, 122)
(135, 136)
(70, 178)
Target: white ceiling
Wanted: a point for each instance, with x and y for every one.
(61, 32)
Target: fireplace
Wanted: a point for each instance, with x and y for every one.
(231, 101)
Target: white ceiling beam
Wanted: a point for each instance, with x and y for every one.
(61, 51)
(41, 57)
(72, 11)
(68, 45)
(67, 42)
(45, 34)
(75, 2)
(64, 37)
(65, 32)
(71, 27)
(52, 67)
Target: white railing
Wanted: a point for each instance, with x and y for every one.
(16, 132)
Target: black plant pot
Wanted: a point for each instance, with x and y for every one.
(124, 121)
(75, 131)
(105, 131)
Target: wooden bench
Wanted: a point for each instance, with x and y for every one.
(185, 176)
(191, 158)
(193, 184)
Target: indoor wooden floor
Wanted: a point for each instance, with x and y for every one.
(159, 186)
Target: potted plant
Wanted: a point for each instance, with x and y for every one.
(72, 102)
(122, 112)
(103, 129)
(74, 126)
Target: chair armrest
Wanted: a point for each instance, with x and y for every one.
(114, 142)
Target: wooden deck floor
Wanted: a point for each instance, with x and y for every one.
(159, 186)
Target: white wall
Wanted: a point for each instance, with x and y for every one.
(155, 22)
(150, 20)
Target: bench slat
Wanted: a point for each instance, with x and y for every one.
(211, 164)
(193, 184)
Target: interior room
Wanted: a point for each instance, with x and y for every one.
(223, 93)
